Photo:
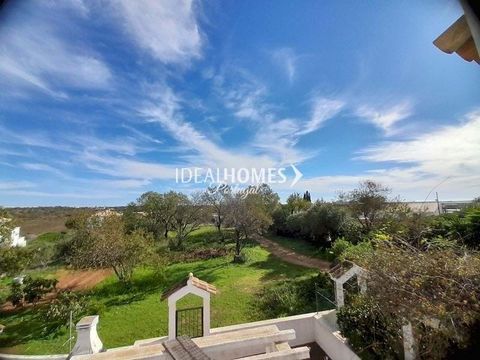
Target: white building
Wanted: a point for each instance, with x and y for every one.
(15, 239)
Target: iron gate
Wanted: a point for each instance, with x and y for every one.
(189, 322)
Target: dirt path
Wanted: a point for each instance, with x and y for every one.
(291, 256)
(76, 280)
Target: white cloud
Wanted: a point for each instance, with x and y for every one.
(119, 145)
(34, 54)
(30, 139)
(285, 57)
(385, 117)
(78, 5)
(246, 97)
(322, 110)
(167, 111)
(449, 151)
(446, 160)
(168, 29)
(42, 167)
(126, 168)
(12, 185)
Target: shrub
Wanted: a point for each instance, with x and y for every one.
(340, 246)
(295, 297)
(16, 293)
(14, 260)
(358, 251)
(35, 289)
(58, 311)
(463, 226)
(372, 334)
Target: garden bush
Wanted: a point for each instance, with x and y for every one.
(340, 246)
(35, 289)
(58, 311)
(371, 333)
(292, 297)
(16, 294)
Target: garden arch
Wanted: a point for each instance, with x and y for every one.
(191, 285)
(340, 276)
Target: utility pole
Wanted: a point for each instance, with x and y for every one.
(438, 203)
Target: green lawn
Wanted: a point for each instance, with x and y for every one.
(301, 246)
(137, 313)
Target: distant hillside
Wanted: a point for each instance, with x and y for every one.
(39, 220)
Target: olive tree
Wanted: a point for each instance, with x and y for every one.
(216, 198)
(437, 290)
(189, 215)
(368, 203)
(297, 203)
(101, 242)
(248, 216)
(159, 211)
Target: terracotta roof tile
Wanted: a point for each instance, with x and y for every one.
(203, 285)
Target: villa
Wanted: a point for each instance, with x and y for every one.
(313, 335)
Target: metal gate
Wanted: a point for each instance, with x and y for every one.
(189, 322)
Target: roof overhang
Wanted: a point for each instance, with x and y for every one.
(463, 36)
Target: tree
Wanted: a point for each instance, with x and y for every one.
(102, 242)
(248, 216)
(437, 290)
(132, 218)
(296, 203)
(279, 218)
(264, 196)
(307, 197)
(6, 226)
(159, 211)
(295, 225)
(216, 198)
(188, 216)
(14, 260)
(463, 227)
(368, 203)
(323, 222)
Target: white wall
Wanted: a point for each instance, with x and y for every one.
(16, 239)
(313, 327)
(32, 357)
(329, 339)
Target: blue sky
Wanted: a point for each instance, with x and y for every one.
(100, 101)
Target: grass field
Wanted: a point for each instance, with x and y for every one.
(301, 246)
(137, 313)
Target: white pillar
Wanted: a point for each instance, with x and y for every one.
(172, 321)
(88, 341)
(206, 314)
(408, 342)
(362, 282)
(339, 298)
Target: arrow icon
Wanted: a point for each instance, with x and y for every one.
(298, 175)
